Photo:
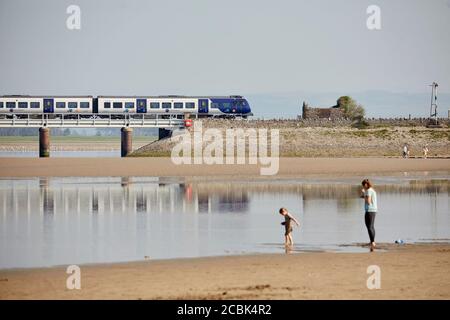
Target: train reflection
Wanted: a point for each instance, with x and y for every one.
(49, 196)
(160, 195)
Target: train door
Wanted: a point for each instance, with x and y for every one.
(48, 105)
(141, 105)
(95, 105)
(202, 105)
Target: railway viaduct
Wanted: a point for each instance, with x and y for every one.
(165, 124)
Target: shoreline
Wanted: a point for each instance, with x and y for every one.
(163, 167)
(410, 271)
(381, 248)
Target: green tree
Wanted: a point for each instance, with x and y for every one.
(352, 110)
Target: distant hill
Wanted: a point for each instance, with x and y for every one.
(377, 104)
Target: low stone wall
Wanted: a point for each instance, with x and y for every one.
(325, 123)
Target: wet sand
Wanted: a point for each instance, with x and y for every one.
(418, 271)
(288, 167)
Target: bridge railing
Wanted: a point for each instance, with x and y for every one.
(70, 120)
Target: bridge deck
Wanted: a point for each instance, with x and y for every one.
(68, 120)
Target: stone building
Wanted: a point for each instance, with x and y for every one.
(331, 113)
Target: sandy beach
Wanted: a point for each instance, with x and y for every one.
(288, 167)
(418, 271)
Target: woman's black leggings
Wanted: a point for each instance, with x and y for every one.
(369, 217)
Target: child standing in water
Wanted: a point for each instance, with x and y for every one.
(288, 218)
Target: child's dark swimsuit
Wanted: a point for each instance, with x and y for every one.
(287, 225)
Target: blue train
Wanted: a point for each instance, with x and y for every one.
(200, 106)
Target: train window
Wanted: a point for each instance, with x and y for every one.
(10, 105)
(72, 105)
(107, 105)
(166, 105)
(190, 105)
(1, 104)
(154, 105)
(178, 105)
(23, 104)
(84, 105)
(34, 104)
(60, 105)
(129, 105)
(117, 105)
(226, 105)
(214, 105)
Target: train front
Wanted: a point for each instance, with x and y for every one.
(242, 106)
(232, 106)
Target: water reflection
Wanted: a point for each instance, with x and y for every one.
(62, 154)
(162, 195)
(48, 221)
(123, 196)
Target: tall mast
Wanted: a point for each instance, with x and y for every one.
(433, 106)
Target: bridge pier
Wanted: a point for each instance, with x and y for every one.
(44, 142)
(126, 146)
(164, 133)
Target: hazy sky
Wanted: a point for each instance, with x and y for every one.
(287, 49)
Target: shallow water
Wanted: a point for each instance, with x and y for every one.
(62, 154)
(59, 221)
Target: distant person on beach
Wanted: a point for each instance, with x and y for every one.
(288, 218)
(370, 207)
(405, 151)
(425, 152)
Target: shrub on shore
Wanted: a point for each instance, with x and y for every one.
(352, 110)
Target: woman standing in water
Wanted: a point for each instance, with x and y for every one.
(370, 206)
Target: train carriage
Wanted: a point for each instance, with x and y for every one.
(120, 106)
(148, 105)
(37, 105)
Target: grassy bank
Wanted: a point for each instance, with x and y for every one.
(342, 141)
